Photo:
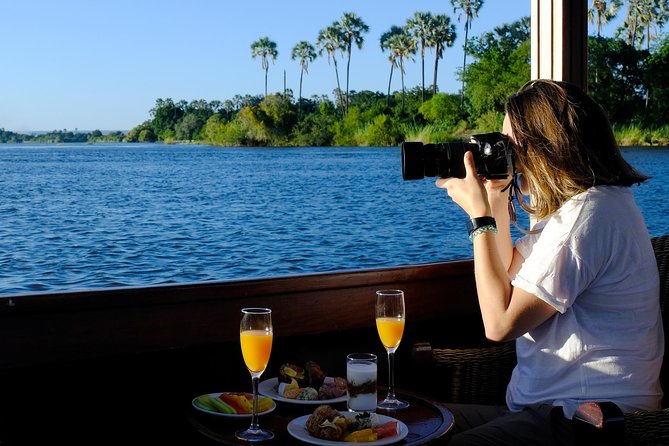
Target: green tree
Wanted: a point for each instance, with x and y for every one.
(265, 49)
(251, 124)
(280, 116)
(616, 77)
(381, 131)
(502, 66)
(330, 40)
(352, 28)
(166, 114)
(442, 35)
(305, 53)
(442, 109)
(657, 81)
(421, 27)
(188, 127)
(384, 41)
(470, 9)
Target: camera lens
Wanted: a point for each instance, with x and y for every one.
(413, 163)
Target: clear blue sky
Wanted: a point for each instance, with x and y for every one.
(101, 64)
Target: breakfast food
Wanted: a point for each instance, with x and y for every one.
(332, 389)
(315, 374)
(232, 403)
(327, 423)
(292, 372)
(308, 383)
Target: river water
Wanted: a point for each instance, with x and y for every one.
(95, 216)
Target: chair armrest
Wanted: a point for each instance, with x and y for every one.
(603, 423)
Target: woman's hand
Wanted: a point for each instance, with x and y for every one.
(470, 192)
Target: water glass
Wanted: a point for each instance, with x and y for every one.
(361, 376)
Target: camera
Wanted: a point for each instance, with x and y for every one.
(493, 156)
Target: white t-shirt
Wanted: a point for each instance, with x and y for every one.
(593, 262)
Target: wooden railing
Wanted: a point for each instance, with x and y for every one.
(50, 327)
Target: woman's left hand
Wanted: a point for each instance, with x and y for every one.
(468, 192)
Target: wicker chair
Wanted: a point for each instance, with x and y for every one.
(642, 427)
(480, 376)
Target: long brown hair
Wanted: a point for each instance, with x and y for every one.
(564, 144)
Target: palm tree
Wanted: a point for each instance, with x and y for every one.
(265, 49)
(442, 35)
(602, 12)
(384, 41)
(642, 17)
(420, 26)
(305, 52)
(352, 28)
(470, 9)
(330, 40)
(403, 47)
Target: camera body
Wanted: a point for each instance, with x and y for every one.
(493, 156)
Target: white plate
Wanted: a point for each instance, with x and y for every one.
(297, 428)
(229, 415)
(270, 387)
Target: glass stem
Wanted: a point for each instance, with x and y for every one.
(391, 374)
(254, 418)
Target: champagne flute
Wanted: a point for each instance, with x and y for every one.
(390, 325)
(255, 336)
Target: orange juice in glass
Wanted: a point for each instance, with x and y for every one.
(390, 317)
(390, 330)
(256, 348)
(255, 338)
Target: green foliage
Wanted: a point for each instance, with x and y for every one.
(280, 112)
(442, 108)
(615, 78)
(502, 66)
(635, 135)
(382, 131)
(255, 130)
(432, 133)
(345, 130)
(188, 127)
(490, 121)
(314, 130)
(166, 114)
(146, 135)
(656, 77)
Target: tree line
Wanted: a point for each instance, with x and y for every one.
(627, 75)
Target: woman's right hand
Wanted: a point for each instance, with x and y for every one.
(469, 192)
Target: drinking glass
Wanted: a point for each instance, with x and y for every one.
(255, 336)
(361, 382)
(390, 325)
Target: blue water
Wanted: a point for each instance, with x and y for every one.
(95, 216)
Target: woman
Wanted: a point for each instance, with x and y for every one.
(580, 293)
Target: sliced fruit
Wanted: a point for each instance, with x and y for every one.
(386, 429)
(264, 404)
(362, 436)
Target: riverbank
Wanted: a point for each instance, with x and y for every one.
(626, 136)
(634, 136)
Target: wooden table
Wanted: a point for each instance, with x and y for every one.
(427, 420)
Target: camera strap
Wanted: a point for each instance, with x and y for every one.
(514, 190)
